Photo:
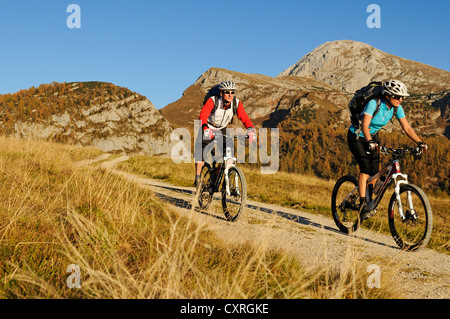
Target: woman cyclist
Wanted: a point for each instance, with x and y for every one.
(364, 146)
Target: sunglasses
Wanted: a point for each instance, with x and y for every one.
(397, 97)
(228, 92)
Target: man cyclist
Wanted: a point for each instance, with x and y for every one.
(217, 114)
(364, 147)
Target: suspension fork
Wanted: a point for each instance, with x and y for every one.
(398, 184)
(226, 158)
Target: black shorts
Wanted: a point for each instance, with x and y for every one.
(368, 163)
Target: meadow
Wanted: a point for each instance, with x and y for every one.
(127, 243)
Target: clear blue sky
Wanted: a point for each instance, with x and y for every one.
(159, 48)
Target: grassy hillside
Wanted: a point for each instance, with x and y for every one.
(127, 244)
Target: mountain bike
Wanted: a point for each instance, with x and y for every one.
(409, 211)
(226, 178)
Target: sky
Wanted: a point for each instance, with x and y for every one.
(160, 48)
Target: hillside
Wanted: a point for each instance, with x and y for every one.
(313, 120)
(267, 100)
(127, 243)
(96, 114)
(324, 81)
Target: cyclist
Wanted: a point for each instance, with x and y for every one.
(364, 147)
(216, 116)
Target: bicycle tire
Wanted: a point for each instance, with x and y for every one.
(203, 194)
(234, 205)
(346, 212)
(415, 231)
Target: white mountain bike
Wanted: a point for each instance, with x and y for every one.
(226, 178)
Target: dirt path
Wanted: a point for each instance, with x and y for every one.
(314, 238)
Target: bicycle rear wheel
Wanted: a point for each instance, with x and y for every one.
(233, 203)
(345, 204)
(413, 231)
(204, 193)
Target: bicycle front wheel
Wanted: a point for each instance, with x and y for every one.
(204, 189)
(234, 194)
(345, 204)
(413, 230)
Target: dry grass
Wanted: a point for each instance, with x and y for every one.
(128, 244)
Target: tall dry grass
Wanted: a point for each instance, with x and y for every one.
(128, 244)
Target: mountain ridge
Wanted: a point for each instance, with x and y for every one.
(350, 64)
(325, 79)
(97, 114)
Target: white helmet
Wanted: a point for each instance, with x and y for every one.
(395, 87)
(227, 85)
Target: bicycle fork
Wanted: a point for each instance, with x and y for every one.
(227, 181)
(398, 184)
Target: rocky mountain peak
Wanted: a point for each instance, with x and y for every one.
(349, 65)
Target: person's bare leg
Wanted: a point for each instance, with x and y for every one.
(362, 182)
(198, 171)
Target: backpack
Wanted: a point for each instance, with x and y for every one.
(360, 99)
(214, 93)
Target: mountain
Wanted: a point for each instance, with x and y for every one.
(349, 65)
(312, 114)
(97, 114)
(322, 84)
(267, 100)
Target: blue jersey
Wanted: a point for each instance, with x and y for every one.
(380, 119)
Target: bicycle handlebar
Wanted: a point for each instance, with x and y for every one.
(235, 137)
(400, 152)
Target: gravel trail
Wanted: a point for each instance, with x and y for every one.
(424, 274)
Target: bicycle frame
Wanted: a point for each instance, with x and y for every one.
(225, 166)
(393, 172)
